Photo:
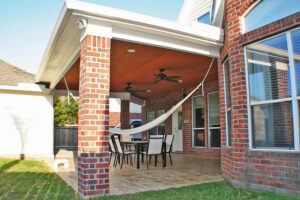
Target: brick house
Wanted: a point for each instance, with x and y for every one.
(246, 114)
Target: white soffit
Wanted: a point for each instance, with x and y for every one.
(64, 45)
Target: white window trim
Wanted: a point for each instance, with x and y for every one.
(149, 121)
(162, 122)
(243, 17)
(225, 101)
(208, 123)
(294, 100)
(193, 146)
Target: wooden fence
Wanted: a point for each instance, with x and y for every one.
(65, 138)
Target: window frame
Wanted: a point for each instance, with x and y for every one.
(243, 17)
(208, 122)
(147, 118)
(193, 142)
(225, 101)
(294, 99)
(161, 124)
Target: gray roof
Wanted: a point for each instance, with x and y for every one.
(11, 75)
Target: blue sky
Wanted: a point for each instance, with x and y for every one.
(26, 25)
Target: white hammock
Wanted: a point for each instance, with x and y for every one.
(163, 117)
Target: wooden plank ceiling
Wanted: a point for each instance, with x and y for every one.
(139, 67)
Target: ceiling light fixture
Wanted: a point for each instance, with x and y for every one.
(131, 50)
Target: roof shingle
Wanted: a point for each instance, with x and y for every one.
(11, 75)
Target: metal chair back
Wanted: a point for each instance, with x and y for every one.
(169, 142)
(118, 144)
(112, 146)
(155, 146)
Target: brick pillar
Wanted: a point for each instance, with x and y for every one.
(125, 114)
(93, 155)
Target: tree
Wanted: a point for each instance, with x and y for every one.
(65, 113)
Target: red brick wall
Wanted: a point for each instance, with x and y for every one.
(93, 155)
(135, 115)
(167, 101)
(275, 171)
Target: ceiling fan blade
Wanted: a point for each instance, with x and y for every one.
(172, 80)
(141, 90)
(156, 81)
(174, 77)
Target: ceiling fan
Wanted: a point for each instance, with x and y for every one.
(161, 76)
(133, 91)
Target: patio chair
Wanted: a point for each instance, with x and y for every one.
(154, 149)
(157, 136)
(112, 150)
(169, 144)
(121, 152)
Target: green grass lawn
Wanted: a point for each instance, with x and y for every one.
(34, 180)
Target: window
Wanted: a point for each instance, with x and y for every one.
(160, 127)
(214, 120)
(198, 121)
(151, 117)
(273, 91)
(180, 120)
(267, 11)
(204, 18)
(226, 70)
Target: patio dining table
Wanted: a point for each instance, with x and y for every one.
(139, 144)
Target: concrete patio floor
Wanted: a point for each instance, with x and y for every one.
(186, 170)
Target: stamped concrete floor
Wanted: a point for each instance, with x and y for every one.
(186, 170)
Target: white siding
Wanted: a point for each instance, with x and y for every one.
(26, 125)
(192, 9)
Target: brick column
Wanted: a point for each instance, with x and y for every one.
(125, 114)
(93, 155)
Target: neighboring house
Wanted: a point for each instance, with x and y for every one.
(26, 115)
(246, 114)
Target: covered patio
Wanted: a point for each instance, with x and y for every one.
(187, 170)
(97, 51)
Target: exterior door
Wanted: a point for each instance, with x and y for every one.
(177, 130)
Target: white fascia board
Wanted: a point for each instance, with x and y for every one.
(137, 100)
(120, 95)
(25, 87)
(130, 18)
(129, 97)
(51, 43)
(165, 42)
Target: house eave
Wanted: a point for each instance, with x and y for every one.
(125, 26)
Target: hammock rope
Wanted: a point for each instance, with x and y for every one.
(163, 117)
